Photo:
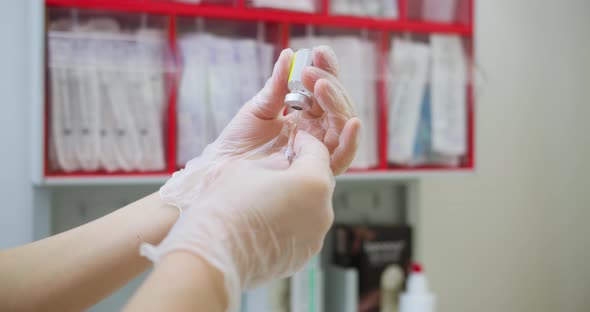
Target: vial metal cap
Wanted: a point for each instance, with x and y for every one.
(298, 101)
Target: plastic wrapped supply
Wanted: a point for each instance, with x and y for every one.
(369, 8)
(194, 131)
(443, 11)
(427, 114)
(107, 97)
(408, 84)
(448, 98)
(205, 103)
(299, 5)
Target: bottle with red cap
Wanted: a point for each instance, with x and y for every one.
(417, 297)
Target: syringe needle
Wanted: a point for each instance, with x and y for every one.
(290, 152)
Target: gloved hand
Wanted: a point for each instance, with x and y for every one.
(264, 229)
(331, 120)
(270, 226)
(259, 129)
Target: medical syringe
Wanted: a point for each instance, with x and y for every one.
(299, 98)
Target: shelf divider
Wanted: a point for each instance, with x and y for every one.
(173, 86)
(325, 9)
(382, 97)
(403, 10)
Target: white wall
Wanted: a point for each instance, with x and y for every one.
(516, 236)
(16, 212)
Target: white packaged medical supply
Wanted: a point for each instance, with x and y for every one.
(448, 95)
(372, 7)
(64, 90)
(370, 60)
(123, 106)
(146, 91)
(390, 9)
(340, 7)
(108, 97)
(247, 68)
(410, 73)
(86, 132)
(107, 129)
(358, 61)
(443, 11)
(300, 5)
(265, 61)
(150, 91)
(206, 102)
(221, 68)
(194, 123)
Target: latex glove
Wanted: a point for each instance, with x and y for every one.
(261, 230)
(260, 129)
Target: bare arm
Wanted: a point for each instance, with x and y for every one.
(73, 270)
(191, 284)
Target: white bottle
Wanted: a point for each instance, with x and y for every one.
(417, 297)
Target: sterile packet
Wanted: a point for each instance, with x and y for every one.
(63, 95)
(409, 81)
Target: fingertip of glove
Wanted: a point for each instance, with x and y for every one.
(286, 53)
(325, 57)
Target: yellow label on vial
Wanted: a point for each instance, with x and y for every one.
(292, 65)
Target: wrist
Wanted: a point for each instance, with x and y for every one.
(195, 273)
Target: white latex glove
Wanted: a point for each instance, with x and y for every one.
(259, 219)
(260, 129)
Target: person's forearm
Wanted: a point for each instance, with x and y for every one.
(75, 269)
(181, 282)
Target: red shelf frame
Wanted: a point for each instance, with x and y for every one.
(241, 12)
(284, 19)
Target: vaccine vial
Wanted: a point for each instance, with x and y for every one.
(299, 98)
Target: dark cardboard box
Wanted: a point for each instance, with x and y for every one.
(371, 249)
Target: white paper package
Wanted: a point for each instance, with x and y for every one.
(193, 106)
(427, 120)
(219, 75)
(371, 8)
(410, 63)
(443, 11)
(300, 5)
(107, 97)
(448, 100)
